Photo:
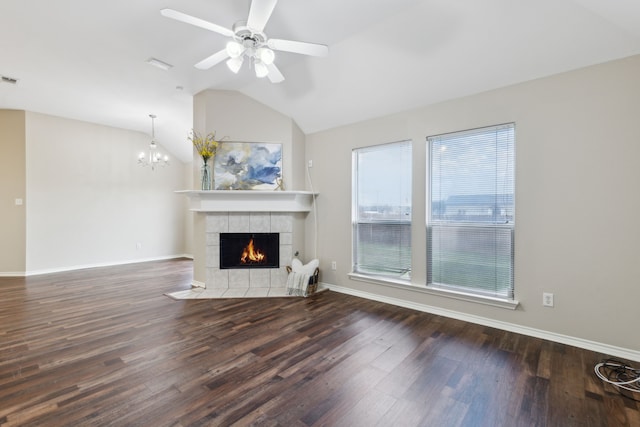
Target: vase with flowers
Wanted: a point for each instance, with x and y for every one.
(206, 146)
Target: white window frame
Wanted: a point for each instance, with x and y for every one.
(360, 221)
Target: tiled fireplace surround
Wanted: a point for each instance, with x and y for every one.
(257, 281)
(248, 211)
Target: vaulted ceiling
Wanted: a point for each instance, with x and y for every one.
(86, 59)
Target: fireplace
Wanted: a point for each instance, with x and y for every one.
(249, 250)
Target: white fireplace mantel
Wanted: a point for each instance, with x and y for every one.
(249, 200)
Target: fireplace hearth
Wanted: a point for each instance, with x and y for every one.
(249, 250)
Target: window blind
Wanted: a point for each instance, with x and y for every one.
(470, 230)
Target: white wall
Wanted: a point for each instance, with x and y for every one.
(577, 203)
(88, 201)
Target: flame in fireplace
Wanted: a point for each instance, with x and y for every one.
(251, 255)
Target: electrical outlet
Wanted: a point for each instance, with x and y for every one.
(334, 265)
(138, 246)
(310, 163)
(547, 299)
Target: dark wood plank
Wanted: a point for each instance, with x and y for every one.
(105, 347)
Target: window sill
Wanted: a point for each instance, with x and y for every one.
(403, 284)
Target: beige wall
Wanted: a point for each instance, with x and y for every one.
(236, 117)
(12, 187)
(188, 216)
(577, 203)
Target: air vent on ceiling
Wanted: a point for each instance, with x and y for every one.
(11, 80)
(160, 64)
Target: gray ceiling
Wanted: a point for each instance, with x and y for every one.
(85, 59)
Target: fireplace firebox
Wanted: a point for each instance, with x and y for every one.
(249, 250)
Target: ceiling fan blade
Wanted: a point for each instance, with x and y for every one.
(304, 48)
(274, 74)
(214, 59)
(188, 19)
(259, 13)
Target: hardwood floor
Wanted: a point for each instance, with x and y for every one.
(105, 347)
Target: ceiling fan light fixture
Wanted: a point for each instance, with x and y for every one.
(234, 49)
(248, 40)
(265, 55)
(234, 64)
(261, 69)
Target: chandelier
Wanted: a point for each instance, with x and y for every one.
(153, 158)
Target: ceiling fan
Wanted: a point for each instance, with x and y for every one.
(249, 41)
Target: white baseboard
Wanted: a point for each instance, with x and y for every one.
(105, 264)
(624, 353)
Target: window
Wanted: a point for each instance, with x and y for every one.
(471, 213)
(382, 210)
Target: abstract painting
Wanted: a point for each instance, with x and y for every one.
(248, 166)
